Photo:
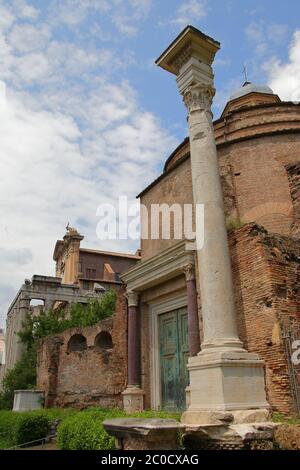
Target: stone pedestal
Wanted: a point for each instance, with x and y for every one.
(27, 400)
(144, 434)
(133, 399)
(226, 386)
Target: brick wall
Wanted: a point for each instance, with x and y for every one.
(266, 271)
(293, 171)
(258, 150)
(92, 377)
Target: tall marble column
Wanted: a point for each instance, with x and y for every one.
(133, 395)
(224, 377)
(192, 307)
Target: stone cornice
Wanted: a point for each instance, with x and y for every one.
(162, 267)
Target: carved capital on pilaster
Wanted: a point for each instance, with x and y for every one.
(189, 271)
(199, 97)
(132, 298)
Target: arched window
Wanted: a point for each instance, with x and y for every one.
(77, 343)
(103, 341)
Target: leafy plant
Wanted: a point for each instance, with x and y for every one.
(234, 223)
(20, 428)
(56, 321)
(281, 418)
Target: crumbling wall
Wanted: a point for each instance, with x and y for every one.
(93, 375)
(266, 270)
(293, 172)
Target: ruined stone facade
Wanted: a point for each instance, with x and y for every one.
(87, 366)
(51, 291)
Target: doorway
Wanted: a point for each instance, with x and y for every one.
(174, 352)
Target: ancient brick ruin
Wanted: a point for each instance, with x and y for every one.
(84, 367)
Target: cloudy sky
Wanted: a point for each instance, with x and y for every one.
(86, 116)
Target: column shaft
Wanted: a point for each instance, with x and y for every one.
(218, 310)
(193, 321)
(192, 307)
(134, 356)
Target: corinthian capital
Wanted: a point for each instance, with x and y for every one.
(132, 298)
(199, 97)
(189, 271)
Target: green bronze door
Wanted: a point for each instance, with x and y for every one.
(174, 351)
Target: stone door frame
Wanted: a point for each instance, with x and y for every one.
(156, 309)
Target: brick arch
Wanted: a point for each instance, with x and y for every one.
(77, 342)
(103, 341)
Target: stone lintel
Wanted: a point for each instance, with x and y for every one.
(160, 268)
(190, 43)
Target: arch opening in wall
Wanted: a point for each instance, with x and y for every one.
(77, 343)
(103, 341)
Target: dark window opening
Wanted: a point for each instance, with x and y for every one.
(77, 343)
(103, 341)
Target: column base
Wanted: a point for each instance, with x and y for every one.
(226, 387)
(133, 399)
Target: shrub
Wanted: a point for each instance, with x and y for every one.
(31, 427)
(20, 428)
(84, 430)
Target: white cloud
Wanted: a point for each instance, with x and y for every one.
(70, 137)
(129, 14)
(266, 35)
(51, 171)
(24, 10)
(284, 78)
(188, 12)
(6, 17)
(73, 12)
(27, 38)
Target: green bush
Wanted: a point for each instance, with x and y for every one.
(30, 428)
(55, 321)
(84, 430)
(21, 377)
(20, 428)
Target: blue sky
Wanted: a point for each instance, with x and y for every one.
(86, 116)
